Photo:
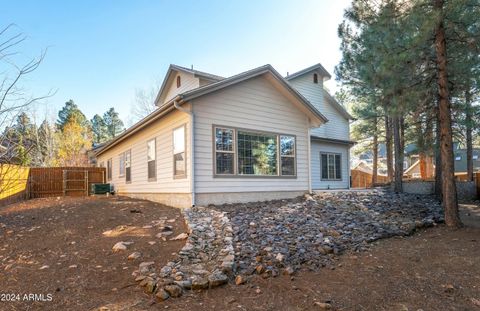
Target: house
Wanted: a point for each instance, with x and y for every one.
(415, 170)
(250, 137)
(460, 163)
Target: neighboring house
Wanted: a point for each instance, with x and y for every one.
(460, 157)
(415, 171)
(253, 136)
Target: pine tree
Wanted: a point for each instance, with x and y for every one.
(70, 110)
(113, 123)
(99, 129)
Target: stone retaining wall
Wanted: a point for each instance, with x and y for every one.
(466, 189)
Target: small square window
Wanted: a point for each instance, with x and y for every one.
(458, 158)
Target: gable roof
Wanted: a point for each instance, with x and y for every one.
(339, 107)
(315, 67)
(325, 74)
(196, 73)
(210, 88)
(266, 69)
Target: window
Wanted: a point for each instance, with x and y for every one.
(257, 153)
(121, 165)
(109, 169)
(179, 81)
(224, 151)
(128, 166)
(458, 158)
(179, 162)
(475, 157)
(151, 159)
(251, 153)
(287, 155)
(331, 166)
(315, 78)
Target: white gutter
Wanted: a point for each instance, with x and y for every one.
(192, 147)
(308, 159)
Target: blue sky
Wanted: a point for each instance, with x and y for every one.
(99, 52)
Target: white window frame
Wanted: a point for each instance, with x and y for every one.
(121, 164)
(128, 164)
(184, 151)
(152, 178)
(109, 169)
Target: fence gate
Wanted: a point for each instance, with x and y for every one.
(75, 182)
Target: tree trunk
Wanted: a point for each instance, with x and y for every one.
(397, 142)
(438, 159)
(375, 154)
(388, 147)
(468, 121)
(449, 190)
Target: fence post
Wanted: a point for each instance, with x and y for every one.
(64, 182)
(86, 182)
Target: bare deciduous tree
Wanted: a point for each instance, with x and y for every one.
(14, 98)
(144, 103)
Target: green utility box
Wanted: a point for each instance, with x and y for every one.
(101, 188)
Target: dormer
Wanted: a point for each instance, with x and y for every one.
(179, 80)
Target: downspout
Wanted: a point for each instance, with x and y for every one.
(192, 147)
(309, 141)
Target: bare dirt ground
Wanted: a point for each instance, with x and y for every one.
(66, 235)
(435, 269)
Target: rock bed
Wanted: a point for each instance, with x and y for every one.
(282, 236)
(268, 238)
(206, 260)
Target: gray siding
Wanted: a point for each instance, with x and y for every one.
(253, 104)
(337, 126)
(317, 182)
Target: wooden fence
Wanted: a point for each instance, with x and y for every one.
(42, 182)
(361, 179)
(63, 181)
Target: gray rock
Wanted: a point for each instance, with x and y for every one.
(217, 279)
(173, 290)
(162, 295)
(199, 283)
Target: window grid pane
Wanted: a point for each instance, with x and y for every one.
(331, 166)
(179, 140)
(287, 145)
(151, 150)
(224, 139)
(121, 166)
(257, 153)
(179, 163)
(338, 171)
(288, 166)
(225, 163)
